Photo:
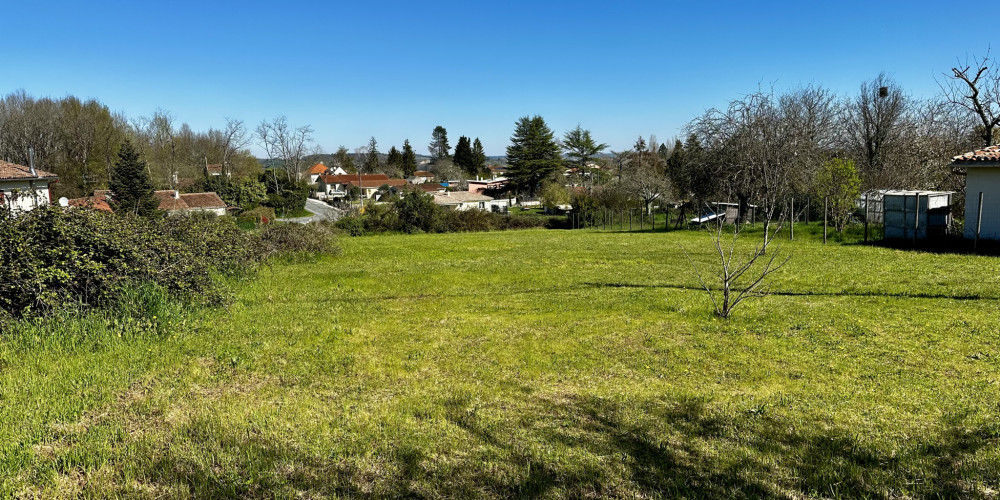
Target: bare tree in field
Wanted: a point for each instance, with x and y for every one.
(740, 273)
(286, 144)
(976, 88)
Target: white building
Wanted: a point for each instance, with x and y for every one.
(464, 200)
(982, 176)
(24, 188)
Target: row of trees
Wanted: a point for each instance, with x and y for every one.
(79, 140)
(767, 147)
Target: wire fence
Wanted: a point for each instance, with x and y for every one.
(924, 219)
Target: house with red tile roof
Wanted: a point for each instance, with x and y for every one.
(24, 188)
(338, 186)
(320, 169)
(982, 183)
(170, 201)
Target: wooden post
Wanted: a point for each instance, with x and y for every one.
(979, 221)
(826, 202)
(791, 226)
(866, 217)
(630, 220)
(642, 218)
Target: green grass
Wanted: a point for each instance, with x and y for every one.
(533, 363)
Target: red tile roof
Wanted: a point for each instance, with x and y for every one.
(14, 171)
(430, 187)
(988, 154)
(99, 203)
(318, 168)
(203, 200)
(346, 178)
(377, 183)
(167, 200)
(423, 173)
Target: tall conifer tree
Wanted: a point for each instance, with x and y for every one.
(131, 189)
(533, 154)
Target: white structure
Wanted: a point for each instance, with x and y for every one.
(464, 200)
(24, 188)
(420, 177)
(916, 214)
(982, 176)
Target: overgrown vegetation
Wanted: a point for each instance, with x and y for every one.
(52, 258)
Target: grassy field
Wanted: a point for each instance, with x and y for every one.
(554, 364)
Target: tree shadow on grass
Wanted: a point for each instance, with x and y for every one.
(581, 446)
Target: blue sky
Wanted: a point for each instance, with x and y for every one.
(395, 70)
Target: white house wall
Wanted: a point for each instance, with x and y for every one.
(987, 181)
(25, 200)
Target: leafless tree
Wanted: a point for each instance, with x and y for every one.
(231, 140)
(876, 124)
(752, 145)
(975, 88)
(286, 144)
(740, 273)
(810, 118)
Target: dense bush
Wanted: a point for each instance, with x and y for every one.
(298, 239)
(51, 258)
(285, 196)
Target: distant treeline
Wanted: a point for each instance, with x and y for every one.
(79, 140)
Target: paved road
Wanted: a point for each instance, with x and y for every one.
(320, 210)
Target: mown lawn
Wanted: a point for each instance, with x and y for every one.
(534, 363)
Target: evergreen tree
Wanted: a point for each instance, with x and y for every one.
(344, 160)
(372, 161)
(131, 189)
(395, 159)
(533, 154)
(478, 156)
(409, 159)
(663, 152)
(463, 156)
(439, 147)
(581, 147)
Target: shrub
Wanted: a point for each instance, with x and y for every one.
(52, 258)
(417, 212)
(259, 215)
(301, 239)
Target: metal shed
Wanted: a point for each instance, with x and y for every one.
(916, 214)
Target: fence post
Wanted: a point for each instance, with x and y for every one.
(791, 226)
(642, 218)
(826, 201)
(979, 222)
(866, 217)
(630, 220)
(916, 217)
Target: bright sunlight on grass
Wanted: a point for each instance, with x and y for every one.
(538, 363)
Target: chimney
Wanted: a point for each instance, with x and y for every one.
(31, 162)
